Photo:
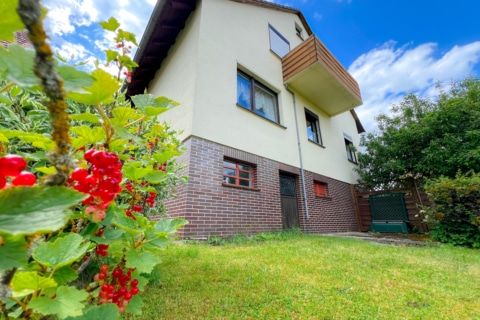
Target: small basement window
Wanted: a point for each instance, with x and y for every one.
(238, 173)
(320, 189)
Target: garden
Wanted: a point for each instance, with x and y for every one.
(84, 171)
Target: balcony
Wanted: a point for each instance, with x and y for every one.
(313, 72)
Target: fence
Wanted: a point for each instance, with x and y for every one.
(412, 201)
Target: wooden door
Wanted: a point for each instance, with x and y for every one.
(288, 194)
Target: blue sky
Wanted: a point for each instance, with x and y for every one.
(390, 47)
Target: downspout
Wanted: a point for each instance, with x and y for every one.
(302, 172)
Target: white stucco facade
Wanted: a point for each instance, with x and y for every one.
(200, 72)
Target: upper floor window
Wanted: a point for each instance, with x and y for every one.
(238, 173)
(350, 148)
(256, 97)
(313, 127)
(299, 31)
(278, 44)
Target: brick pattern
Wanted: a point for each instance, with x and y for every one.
(334, 213)
(21, 38)
(216, 209)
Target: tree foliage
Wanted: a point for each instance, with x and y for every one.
(424, 138)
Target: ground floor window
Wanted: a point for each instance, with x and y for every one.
(238, 173)
(320, 189)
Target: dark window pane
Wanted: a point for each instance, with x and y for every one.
(230, 172)
(244, 167)
(229, 180)
(265, 103)
(245, 183)
(312, 131)
(287, 186)
(229, 164)
(243, 92)
(244, 174)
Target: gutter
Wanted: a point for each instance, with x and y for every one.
(302, 172)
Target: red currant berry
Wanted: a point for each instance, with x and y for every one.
(25, 178)
(3, 182)
(134, 283)
(11, 165)
(104, 268)
(134, 291)
(88, 154)
(79, 174)
(117, 273)
(102, 276)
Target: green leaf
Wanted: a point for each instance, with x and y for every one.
(35, 139)
(62, 251)
(24, 283)
(135, 305)
(101, 91)
(151, 106)
(107, 311)
(28, 210)
(169, 225)
(13, 252)
(5, 100)
(68, 302)
(17, 63)
(130, 171)
(89, 135)
(128, 36)
(111, 55)
(46, 170)
(125, 223)
(74, 80)
(65, 275)
(111, 24)
(10, 21)
(163, 155)
(143, 100)
(144, 261)
(87, 117)
(3, 138)
(156, 176)
(122, 115)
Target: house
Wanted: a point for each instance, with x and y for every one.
(267, 114)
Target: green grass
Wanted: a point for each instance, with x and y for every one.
(314, 277)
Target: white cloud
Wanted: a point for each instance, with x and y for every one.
(72, 51)
(385, 74)
(317, 16)
(65, 18)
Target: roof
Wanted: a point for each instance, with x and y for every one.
(166, 22)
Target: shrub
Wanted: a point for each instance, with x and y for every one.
(80, 172)
(455, 214)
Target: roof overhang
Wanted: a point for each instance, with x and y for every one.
(167, 20)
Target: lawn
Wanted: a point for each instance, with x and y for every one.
(315, 277)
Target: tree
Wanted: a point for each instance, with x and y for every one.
(424, 138)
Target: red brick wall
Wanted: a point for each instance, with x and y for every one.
(216, 209)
